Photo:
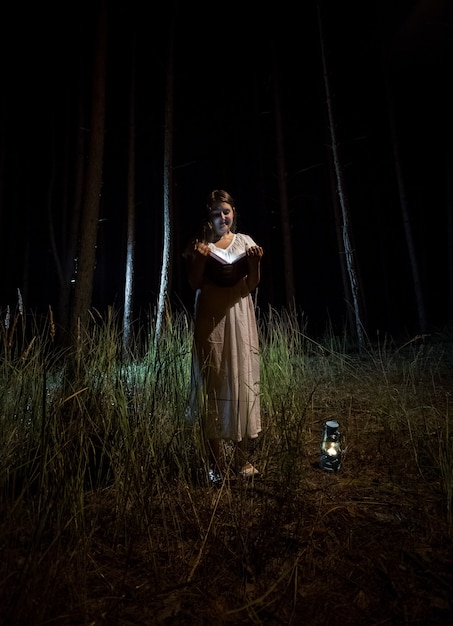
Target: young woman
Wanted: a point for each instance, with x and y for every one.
(226, 351)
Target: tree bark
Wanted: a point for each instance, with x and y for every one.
(404, 204)
(130, 251)
(73, 206)
(342, 196)
(165, 276)
(449, 167)
(290, 292)
(83, 291)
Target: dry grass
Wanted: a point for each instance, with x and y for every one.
(150, 541)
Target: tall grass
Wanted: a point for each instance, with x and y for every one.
(95, 449)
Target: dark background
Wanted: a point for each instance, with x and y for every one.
(225, 138)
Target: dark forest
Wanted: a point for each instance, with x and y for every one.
(330, 125)
(226, 61)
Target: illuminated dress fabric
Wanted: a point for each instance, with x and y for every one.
(226, 365)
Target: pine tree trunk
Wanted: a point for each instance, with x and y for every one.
(130, 252)
(342, 196)
(450, 236)
(65, 255)
(290, 292)
(168, 196)
(83, 291)
(404, 204)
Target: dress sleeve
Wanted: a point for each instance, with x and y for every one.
(249, 242)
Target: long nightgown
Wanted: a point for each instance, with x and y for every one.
(226, 365)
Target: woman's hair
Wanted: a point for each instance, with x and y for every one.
(215, 197)
(219, 195)
(206, 231)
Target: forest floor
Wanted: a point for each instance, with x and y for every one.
(369, 544)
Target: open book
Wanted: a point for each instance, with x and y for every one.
(223, 273)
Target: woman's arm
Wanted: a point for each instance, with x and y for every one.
(254, 255)
(196, 263)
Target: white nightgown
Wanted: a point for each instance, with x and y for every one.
(226, 365)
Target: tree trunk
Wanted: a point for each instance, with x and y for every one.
(449, 168)
(404, 204)
(83, 291)
(341, 251)
(165, 279)
(338, 170)
(290, 292)
(72, 206)
(130, 252)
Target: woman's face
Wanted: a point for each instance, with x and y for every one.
(222, 216)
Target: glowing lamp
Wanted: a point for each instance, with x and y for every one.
(330, 447)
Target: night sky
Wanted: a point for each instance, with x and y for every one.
(225, 138)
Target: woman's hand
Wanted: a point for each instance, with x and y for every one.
(254, 255)
(255, 252)
(201, 248)
(196, 263)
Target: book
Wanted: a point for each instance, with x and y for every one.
(222, 272)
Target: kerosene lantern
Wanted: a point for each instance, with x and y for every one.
(331, 447)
